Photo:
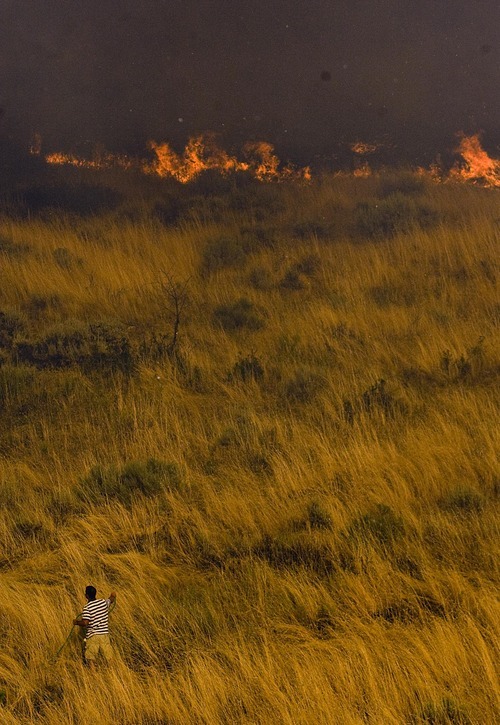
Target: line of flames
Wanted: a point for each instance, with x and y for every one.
(202, 154)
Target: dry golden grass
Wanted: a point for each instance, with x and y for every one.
(322, 547)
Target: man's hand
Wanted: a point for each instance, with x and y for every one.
(112, 597)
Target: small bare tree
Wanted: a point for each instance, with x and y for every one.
(177, 296)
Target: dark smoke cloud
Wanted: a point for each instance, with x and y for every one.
(307, 75)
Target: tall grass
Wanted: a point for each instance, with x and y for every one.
(312, 542)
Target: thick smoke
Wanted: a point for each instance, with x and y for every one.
(309, 76)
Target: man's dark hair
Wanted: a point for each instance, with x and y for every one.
(90, 592)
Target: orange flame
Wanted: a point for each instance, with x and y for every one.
(200, 154)
(100, 161)
(265, 164)
(479, 167)
(362, 172)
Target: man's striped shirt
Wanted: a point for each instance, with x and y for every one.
(97, 613)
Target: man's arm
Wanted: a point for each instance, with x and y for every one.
(81, 622)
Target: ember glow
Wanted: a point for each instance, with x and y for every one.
(362, 148)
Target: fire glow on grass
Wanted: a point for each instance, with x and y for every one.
(202, 153)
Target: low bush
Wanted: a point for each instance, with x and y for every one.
(444, 712)
(294, 280)
(169, 210)
(462, 500)
(313, 228)
(13, 250)
(410, 610)
(384, 295)
(318, 517)
(299, 274)
(65, 259)
(380, 524)
(467, 366)
(315, 517)
(94, 346)
(404, 183)
(261, 279)
(259, 464)
(247, 368)
(393, 215)
(308, 265)
(378, 398)
(296, 553)
(12, 324)
(223, 253)
(37, 306)
(304, 387)
(137, 478)
(79, 198)
(239, 315)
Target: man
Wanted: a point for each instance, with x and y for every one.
(95, 618)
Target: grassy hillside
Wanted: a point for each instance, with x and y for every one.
(265, 416)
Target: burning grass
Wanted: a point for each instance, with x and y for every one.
(299, 516)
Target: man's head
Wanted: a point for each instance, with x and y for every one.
(90, 593)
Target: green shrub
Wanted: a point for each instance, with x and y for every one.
(308, 265)
(168, 210)
(29, 530)
(410, 610)
(318, 517)
(258, 237)
(445, 712)
(404, 183)
(66, 259)
(93, 346)
(395, 214)
(380, 524)
(36, 306)
(247, 368)
(137, 478)
(11, 324)
(239, 315)
(261, 279)
(463, 501)
(293, 280)
(377, 398)
(223, 253)
(468, 366)
(13, 250)
(259, 465)
(386, 294)
(313, 228)
(304, 387)
(297, 277)
(298, 552)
